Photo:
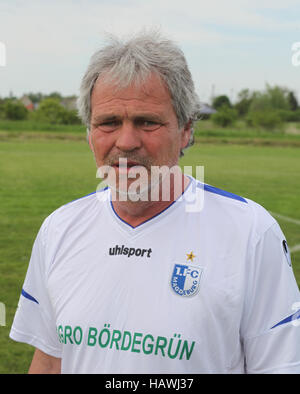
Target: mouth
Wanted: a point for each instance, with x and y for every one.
(125, 165)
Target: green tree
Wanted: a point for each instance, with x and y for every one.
(278, 97)
(221, 101)
(54, 95)
(35, 97)
(293, 103)
(244, 101)
(15, 110)
(272, 98)
(50, 111)
(70, 117)
(2, 113)
(268, 120)
(225, 116)
(268, 108)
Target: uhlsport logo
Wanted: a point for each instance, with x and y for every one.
(185, 279)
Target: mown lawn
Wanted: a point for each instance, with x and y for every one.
(39, 175)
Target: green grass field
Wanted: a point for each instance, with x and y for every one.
(39, 175)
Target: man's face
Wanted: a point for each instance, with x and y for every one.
(137, 123)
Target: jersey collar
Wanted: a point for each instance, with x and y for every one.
(157, 218)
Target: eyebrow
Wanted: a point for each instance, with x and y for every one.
(137, 117)
(104, 117)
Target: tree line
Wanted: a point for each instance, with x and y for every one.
(49, 108)
(268, 109)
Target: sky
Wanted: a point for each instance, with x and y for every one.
(229, 44)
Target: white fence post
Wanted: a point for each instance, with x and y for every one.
(2, 314)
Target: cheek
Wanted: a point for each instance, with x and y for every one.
(100, 146)
(167, 149)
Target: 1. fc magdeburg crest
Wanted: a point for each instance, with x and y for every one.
(185, 279)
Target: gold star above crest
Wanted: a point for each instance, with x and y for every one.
(190, 256)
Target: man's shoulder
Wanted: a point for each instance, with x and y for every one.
(228, 196)
(78, 209)
(236, 208)
(98, 195)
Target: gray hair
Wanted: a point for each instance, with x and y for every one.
(133, 61)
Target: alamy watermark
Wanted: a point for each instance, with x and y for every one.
(2, 54)
(296, 54)
(156, 183)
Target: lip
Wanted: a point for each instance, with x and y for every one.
(127, 164)
(124, 163)
(126, 167)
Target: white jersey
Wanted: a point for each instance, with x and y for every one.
(207, 291)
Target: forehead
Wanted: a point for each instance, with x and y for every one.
(151, 93)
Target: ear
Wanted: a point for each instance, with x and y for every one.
(186, 134)
(90, 140)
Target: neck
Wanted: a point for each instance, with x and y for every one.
(136, 212)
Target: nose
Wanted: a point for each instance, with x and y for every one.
(129, 137)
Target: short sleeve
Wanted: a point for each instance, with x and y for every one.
(270, 327)
(34, 321)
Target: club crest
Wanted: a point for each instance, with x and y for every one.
(185, 279)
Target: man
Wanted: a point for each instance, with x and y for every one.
(141, 285)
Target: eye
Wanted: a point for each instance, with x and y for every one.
(108, 125)
(149, 125)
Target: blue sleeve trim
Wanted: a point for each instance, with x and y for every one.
(80, 198)
(293, 317)
(28, 296)
(223, 193)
